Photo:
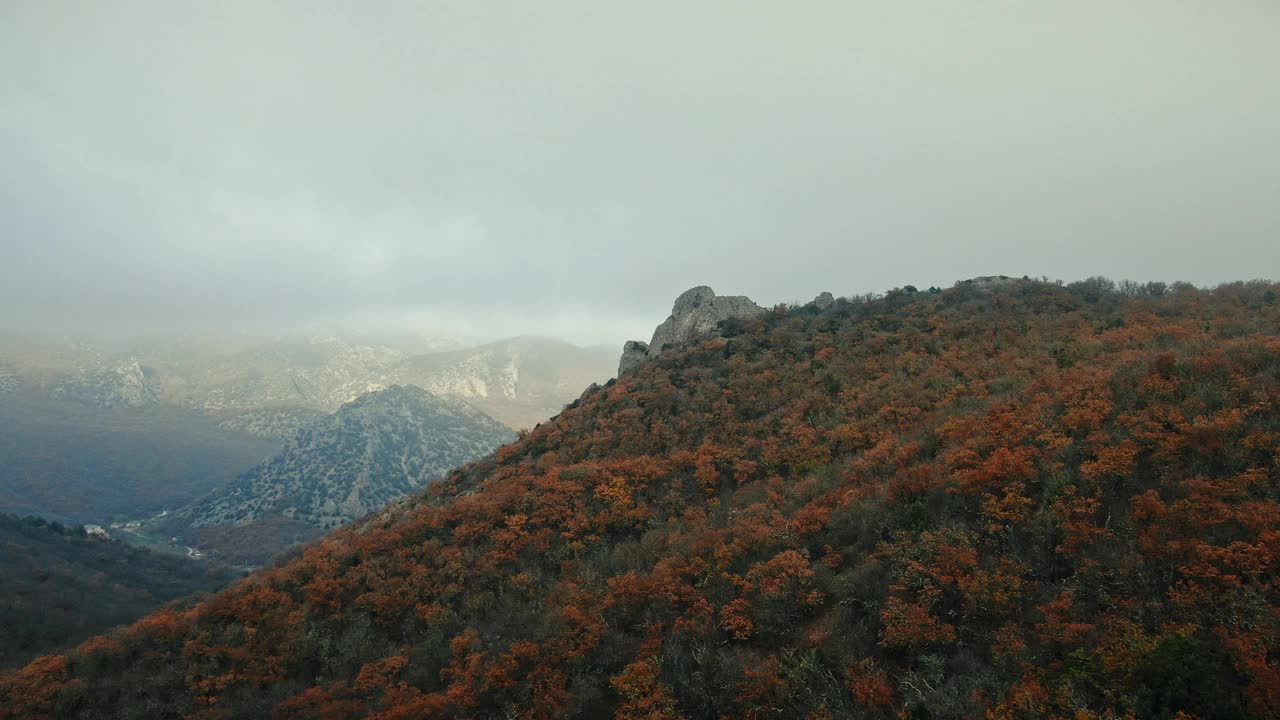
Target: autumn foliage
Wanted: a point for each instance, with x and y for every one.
(1025, 501)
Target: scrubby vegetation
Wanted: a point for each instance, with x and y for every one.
(1003, 500)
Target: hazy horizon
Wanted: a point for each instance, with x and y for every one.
(406, 335)
(567, 168)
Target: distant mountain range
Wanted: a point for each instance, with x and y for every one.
(339, 467)
(520, 381)
(90, 433)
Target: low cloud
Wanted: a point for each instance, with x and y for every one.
(568, 167)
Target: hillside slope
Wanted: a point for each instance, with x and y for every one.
(58, 587)
(1004, 500)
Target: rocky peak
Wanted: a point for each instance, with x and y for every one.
(691, 299)
(990, 281)
(374, 449)
(695, 314)
(634, 352)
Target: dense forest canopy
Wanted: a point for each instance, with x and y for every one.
(1010, 499)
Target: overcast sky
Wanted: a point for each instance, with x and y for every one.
(567, 168)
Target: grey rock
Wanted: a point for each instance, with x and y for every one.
(695, 315)
(634, 352)
(691, 300)
(990, 281)
(824, 300)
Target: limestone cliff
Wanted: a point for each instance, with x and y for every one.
(696, 314)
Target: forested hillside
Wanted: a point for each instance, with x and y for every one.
(59, 586)
(1009, 499)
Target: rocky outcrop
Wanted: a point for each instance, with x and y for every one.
(824, 300)
(696, 314)
(990, 281)
(634, 352)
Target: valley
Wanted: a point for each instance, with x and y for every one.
(80, 464)
(91, 434)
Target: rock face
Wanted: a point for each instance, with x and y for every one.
(695, 315)
(824, 300)
(634, 352)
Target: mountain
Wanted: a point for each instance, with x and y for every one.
(90, 432)
(62, 586)
(1005, 499)
(320, 373)
(521, 381)
(697, 313)
(372, 451)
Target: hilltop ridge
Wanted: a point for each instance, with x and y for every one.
(1015, 500)
(695, 314)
